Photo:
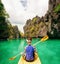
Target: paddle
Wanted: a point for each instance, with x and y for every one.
(42, 40)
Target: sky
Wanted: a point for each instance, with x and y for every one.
(22, 10)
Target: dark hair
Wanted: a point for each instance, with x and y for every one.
(29, 38)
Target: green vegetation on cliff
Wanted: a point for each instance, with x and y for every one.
(57, 9)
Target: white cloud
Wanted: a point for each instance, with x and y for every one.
(24, 2)
(19, 12)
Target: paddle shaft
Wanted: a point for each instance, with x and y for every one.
(33, 45)
(43, 39)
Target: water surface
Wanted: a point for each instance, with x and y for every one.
(48, 51)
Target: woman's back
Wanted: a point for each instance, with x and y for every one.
(29, 53)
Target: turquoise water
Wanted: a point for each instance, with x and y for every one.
(48, 51)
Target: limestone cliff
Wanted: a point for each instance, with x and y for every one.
(49, 24)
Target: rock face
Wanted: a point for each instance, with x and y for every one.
(14, 33)
(49, 24)
(35, 27)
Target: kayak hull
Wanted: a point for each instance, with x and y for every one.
(36, 61)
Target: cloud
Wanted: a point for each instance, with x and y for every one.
(21, 10)
(23, 2)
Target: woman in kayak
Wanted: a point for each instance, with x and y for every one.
(29, 52)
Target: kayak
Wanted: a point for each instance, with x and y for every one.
(36, 61)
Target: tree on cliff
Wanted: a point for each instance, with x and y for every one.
(57, 9)
(4, 34)
(7, 31)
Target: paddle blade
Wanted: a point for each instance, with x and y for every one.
(12, 58)
(44, 38)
